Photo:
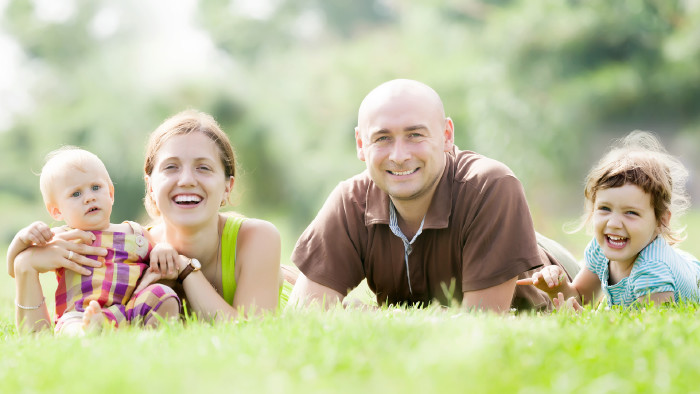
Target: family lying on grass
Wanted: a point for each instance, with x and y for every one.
(425, 222)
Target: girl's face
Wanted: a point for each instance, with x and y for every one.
(624, 222)
(188, 182)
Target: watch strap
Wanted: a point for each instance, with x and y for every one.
(185, 273)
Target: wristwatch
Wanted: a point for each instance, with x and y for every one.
(192, 266)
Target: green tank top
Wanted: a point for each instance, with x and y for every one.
(229, 237)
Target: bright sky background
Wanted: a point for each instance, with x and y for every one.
(171, 48)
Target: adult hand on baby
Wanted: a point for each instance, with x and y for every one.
(66, 250)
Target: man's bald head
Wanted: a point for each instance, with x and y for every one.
(393, 90)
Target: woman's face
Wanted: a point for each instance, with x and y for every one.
(188, 182)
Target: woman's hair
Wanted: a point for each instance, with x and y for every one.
(183, 123)
(64, 159)
(640, 159)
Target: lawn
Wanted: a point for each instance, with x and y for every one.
(391, 350)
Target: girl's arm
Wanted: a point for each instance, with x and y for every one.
(587, 285)
(657, 298)
(258, 255)
(552, 280)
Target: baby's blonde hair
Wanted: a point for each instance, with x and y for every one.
(640, 159)
(66, 158)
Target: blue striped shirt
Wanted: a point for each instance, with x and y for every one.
(658, 268)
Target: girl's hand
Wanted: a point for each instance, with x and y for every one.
(570, 305)
(549, 279)
(37, 233)
(164, 261)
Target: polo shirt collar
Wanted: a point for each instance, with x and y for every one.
(439, 211)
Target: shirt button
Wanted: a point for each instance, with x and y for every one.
(140, 240)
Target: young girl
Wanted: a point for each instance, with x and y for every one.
(631, 195)
(76, 188)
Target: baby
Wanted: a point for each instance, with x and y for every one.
(77, 189)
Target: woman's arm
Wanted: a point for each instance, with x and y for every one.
(66, 250)
(31, 313)
(37, 233)
(258, 255)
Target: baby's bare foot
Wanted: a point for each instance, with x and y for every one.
(93, 318)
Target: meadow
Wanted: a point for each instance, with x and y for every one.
(390, 350)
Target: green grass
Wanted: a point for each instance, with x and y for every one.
(387, 351)
(392, 350)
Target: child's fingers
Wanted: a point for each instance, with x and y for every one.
(551, 276)
(41, 236)
(148, 278)
(171, 264)
(84, 237)
(155, 263)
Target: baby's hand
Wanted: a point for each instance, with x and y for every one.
(149, 277)
(37, 233)
(164, 261)
(549, 279)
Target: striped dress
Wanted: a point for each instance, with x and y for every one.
(112, 285)
(658, 268)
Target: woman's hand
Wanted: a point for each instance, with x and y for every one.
(67, 250)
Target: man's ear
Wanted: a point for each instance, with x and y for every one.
(358, 144)
(449, 135)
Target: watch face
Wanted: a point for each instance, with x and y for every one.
(196, 264)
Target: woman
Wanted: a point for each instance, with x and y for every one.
(189, 172)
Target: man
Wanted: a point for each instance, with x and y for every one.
(425, 221)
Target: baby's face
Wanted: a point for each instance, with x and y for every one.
(83, 199)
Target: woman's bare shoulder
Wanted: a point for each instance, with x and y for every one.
(258, 240)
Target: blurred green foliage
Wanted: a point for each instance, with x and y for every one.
(540, 85)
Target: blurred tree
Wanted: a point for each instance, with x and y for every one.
(542, 86)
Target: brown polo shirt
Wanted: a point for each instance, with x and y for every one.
(478, 233)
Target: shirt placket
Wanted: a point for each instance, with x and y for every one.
(407, 245)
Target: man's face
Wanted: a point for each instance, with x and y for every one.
(403, 139)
